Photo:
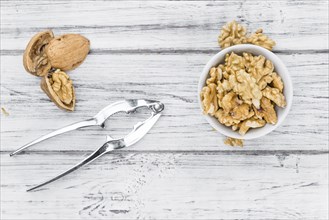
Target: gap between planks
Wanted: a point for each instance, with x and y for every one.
(167, 51)
(186, 152)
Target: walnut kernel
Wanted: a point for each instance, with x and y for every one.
(231, 34)
(275, 95)
(260, 39)
(59, 88)
(233, 142)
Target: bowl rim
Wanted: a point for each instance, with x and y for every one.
(288, 84)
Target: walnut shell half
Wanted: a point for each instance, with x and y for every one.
(67, 51)
(35, 59)
(59, 88)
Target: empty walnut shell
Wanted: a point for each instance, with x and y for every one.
(35, 58)
(59, 88)
(67, 51)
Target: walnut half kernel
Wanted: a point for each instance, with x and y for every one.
(231, 34)
(59, 88)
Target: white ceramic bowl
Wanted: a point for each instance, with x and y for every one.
(279, 67)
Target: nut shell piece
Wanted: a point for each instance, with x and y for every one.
(35, 59)
(67, 51)
(59, 88)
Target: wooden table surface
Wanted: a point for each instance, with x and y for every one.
(181, 169)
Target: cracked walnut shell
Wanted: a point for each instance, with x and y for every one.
(59, 88)
(35, 59)
(44, 52)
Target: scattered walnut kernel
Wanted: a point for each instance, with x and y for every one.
(4, 111)
(234, 33)
(260, 39)
(231, 34)
(233, 142)
(242, 92)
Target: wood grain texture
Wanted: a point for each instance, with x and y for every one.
(154, 25)
(173, 80)
(168, 186)
(181, 169)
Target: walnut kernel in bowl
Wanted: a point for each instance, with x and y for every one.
(245, 87)
(243, 91)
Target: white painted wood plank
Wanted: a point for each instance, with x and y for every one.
(181, 169)
(171, 78)
(167, 186)
(154, 25)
